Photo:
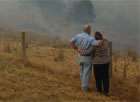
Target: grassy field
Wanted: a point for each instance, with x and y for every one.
(52, 75)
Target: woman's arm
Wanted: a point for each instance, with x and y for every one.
(90, 51)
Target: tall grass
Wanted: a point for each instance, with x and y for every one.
(58, 54)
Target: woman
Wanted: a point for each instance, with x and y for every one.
(100, 61)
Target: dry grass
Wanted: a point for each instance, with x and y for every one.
(126, 79)
(52, 75)
(41, 79)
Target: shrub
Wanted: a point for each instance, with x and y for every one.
(7, 48)
(59, 55)
(131, 53)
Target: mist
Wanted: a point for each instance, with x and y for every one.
(118, 18)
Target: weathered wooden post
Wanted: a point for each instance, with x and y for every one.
(125, 68)
(23, 45)
(110, 66)
(0, 36)
(124, 72)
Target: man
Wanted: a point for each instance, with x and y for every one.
(82, 42)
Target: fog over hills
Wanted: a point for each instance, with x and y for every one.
(116, 19)
(78, 11)
(58, 13)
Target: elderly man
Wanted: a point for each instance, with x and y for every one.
(83, 41)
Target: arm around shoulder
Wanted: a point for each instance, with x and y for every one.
(87, 52)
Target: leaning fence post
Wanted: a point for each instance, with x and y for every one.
(110, 65)
(23, 45)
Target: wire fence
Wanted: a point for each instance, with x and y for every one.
(19, 43)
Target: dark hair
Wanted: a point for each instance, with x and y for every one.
(98, 36)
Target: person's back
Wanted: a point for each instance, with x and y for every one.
(83, 41)
(101, 54)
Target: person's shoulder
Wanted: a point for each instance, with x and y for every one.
(80, 35)
(91, 38)
(106, 42)
(76, 35)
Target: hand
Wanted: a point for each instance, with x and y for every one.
(78, 50)
(105, 38)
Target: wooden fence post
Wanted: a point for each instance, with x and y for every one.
(125, 69)
(124, 72)
(23, 45)
(110, 66)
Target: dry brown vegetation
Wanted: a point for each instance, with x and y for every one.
(50, 73)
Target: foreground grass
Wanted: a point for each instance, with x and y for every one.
(22, 80)
(42, 78)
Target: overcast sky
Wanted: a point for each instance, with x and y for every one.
(121, 15)
(117, 15)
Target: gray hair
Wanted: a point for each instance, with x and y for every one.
(87, 28)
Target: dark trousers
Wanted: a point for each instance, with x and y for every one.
(101, 72)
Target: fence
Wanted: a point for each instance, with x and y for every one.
(18, 42)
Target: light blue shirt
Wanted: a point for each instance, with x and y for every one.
(83, 42)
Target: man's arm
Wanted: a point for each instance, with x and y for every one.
(100, 43)
(72, 44)
(74, 47)
(97, 42)
(90, 51)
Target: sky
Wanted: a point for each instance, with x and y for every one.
(121, 17)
